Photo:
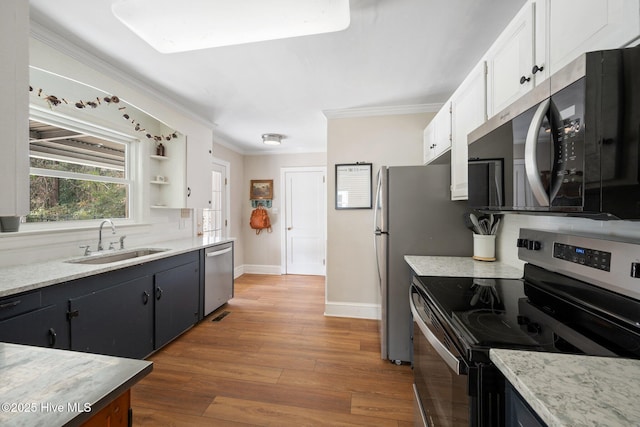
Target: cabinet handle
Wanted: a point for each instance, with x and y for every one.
(524, 79)
(188, 191)
(145, 297)
(52, 337)
(535, 69)
(158, 293)
(10, 304)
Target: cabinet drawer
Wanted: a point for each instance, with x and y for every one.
(13, 306)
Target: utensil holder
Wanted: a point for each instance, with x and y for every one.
(484, 247)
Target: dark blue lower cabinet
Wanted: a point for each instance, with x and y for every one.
(518, 412)
(177, 301)
(116, 321)
(42, 327)
(128, 312)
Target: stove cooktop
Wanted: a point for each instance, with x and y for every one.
(528, 314)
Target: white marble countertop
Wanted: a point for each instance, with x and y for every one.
(21, 278)
(448, 266)
(48, 387)
(570, 390)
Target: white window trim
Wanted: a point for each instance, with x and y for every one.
(132, 155)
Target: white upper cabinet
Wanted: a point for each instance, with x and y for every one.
(510, 61)
(199, 158)
(543, 37)
(546, 35)
(14, 113)
(437, 135)
(468, 111)
(578, 26)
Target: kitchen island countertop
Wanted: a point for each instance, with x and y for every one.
(49, 387)
(574, 390)
(450, 266)
(27, 277)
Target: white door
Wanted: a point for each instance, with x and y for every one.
(305, 220)
(215, 219)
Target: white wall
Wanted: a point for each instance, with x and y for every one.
(31, 245)
(394, 140)
(262, 252)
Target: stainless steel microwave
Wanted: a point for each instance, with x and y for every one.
(571, 145)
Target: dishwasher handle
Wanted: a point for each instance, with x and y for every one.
(218, 253)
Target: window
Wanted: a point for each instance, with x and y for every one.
(78, 172)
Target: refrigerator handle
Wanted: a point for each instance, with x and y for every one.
(530, 159)
(377, 231)
(377, 201)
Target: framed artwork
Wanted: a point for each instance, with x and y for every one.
(261, 189)
(353, 186)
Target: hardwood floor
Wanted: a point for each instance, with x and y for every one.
(275, 360)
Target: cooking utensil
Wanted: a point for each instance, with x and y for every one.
(476, 224)
(485, 226)
(494, 227)
(468, 223)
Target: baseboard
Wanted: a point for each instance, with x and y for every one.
(354, 310)
(260, 269)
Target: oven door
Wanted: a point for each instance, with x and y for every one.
(440, 382)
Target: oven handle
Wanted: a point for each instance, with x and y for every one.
(449, 358)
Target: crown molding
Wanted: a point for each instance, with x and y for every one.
(68, 48)
(382, 111)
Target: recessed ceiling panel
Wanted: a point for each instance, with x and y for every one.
(176, 26)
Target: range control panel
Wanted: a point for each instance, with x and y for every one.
(584, 256)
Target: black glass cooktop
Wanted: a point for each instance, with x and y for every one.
(483, 312)
(532, 315)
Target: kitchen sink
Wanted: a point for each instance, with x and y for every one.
(106, 258)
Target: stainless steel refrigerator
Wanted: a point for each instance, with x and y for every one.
(413, 215)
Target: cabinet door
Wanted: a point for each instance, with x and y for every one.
(199, 157)
(117, 321)
(437, 135)
(177, 295)
(45, 327)
(578, 26)
(510, 62)
(468, 111)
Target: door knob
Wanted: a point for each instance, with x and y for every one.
(289, 228)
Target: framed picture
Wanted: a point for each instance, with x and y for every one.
(353, 186)
(261, 189)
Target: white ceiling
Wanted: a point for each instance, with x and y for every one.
(394, 53)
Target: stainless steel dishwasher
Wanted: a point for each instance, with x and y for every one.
(218, 276)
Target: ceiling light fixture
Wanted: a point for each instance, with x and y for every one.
(172, 26)
(272, 138)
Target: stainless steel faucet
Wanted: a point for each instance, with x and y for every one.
(113, 231)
